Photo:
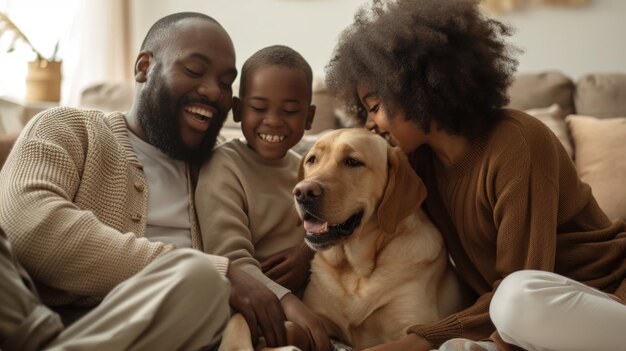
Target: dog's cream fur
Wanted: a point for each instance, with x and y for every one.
(392, 272)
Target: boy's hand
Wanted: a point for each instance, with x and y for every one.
(259, 306)
(297, 312)
(290, 268)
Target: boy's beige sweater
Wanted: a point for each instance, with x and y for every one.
(73, 202)
(246, 209)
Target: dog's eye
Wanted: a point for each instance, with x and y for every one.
(311, 159)
(352, 162)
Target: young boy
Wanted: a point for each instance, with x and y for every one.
(243, 197)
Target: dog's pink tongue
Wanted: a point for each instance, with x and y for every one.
(315, 227)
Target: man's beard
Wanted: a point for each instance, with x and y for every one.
(159, 117)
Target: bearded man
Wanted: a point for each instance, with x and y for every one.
(98, 209)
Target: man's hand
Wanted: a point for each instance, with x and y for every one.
(297, 312)
(290, 268)
(410, 342)
(259, 306)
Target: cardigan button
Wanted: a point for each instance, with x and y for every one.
(139, 186)
(136, 217)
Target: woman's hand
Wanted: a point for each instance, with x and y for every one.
(290, 268)
(259, 306)
(410, 342)
(297, 312)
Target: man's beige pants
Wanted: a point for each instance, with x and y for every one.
(178, 302)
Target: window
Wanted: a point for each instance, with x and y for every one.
(44, 22)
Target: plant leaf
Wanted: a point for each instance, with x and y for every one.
(54, 53)
(9, 26)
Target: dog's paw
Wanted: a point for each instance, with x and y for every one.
(284, 348)
(339, 346)
(460, 344)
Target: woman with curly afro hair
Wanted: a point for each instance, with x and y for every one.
(522, 230)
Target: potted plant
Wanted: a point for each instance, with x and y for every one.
(43, 80)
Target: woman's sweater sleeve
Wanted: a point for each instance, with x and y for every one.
(525, 202)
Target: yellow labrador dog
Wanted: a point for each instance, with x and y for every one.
(381, 265)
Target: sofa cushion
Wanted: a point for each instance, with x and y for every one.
(6, 144)
(325, 106)
(532, 90)
(553, 117)
(600, 161)
(601, 95)
(108, 97)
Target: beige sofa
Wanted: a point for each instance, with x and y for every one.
(588, 115)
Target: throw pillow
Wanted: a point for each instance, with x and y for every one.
(600, 150)
(6, 144)
(553, 117)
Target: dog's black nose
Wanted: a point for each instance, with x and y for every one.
(306, 191)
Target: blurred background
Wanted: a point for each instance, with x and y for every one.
(98, 39)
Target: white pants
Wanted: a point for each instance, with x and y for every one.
(542, 311)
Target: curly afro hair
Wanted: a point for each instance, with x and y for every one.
(436, 60)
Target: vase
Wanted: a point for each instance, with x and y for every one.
(43, 81)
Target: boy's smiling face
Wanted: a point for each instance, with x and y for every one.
(274, 110)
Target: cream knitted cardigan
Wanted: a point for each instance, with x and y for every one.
(73, 202)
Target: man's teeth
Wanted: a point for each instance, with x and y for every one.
(201, 113)
(272, 138)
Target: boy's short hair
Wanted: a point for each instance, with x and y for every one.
(279, 55)
(436, 60)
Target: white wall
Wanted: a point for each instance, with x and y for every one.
(309, 26)
(572, 40)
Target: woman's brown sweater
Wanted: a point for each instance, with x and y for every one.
(514, 201)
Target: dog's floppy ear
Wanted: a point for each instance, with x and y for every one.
(301, 167)
(404, 192)
(300, 177)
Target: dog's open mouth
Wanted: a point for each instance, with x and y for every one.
(320, 235)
